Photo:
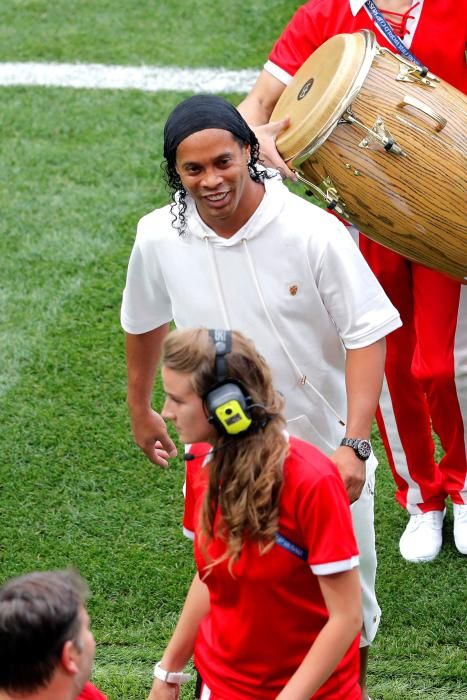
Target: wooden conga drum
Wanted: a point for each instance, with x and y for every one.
(384, 145)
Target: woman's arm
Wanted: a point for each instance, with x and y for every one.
(341, 593)
(180, 648)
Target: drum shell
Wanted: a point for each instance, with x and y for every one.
(412, 204)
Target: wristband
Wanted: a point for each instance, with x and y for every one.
(177, 677)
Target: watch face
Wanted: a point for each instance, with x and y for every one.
(364, 449)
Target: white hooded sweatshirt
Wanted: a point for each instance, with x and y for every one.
(291, 278)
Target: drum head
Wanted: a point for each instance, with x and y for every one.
(321, 91)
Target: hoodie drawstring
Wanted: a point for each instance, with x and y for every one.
(215, 274)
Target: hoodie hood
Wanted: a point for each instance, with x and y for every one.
(270, 207)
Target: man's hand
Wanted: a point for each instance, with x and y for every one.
(267, 135)
(150, 433)
(352, 470)
(164, 691)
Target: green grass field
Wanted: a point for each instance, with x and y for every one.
(77, 170)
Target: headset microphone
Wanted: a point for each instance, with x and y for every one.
(189, 456)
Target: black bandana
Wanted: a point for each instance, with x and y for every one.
(203, 112)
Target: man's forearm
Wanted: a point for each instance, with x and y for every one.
(364, 374)
(150, 432)
(142, 356)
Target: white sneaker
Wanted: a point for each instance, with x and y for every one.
(460, 527)
(423, 536)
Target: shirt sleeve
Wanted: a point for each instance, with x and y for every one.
(350, 291)
(296, 43)
(325, 520)
(146, 302)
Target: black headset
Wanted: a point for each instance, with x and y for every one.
(228, 405)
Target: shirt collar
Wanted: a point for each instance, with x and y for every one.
(356, 6)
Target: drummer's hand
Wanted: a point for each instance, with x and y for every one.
(352, 470)
(267, 135)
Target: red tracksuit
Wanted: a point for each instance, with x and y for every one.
(426, 367)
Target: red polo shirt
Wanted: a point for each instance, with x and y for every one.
(264, 619)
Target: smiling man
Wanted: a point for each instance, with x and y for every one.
(235, 249)
(213, 168)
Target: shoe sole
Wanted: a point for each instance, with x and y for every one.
(420, 560)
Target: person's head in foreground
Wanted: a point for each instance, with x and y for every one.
(275, 609)
(212, 154)
(46, 646)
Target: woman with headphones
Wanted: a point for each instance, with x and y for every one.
(274, 610)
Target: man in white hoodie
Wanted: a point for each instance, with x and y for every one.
(236, 249)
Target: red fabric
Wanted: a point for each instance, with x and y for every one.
(423, 388)
(398, 20)
(263, 621)
(421, 380)
(439, 40)
(90, 692)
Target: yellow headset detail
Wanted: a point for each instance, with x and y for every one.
(227, 403)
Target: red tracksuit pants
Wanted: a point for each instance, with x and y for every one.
(425, 384)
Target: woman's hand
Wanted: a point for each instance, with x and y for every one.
(164, 691)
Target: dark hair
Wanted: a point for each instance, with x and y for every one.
(196, 114)
(39, 612)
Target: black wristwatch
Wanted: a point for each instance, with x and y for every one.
(361, 447)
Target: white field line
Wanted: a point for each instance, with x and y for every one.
(147, 78)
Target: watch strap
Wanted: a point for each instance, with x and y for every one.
(350, 442)
(176, 677)
(361, 446)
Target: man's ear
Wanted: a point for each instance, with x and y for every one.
(69, 658)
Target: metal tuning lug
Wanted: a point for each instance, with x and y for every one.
(378, 136)
(413, 74)
(410, 72)
(326, 192)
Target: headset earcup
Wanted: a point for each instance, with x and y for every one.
(227, 408)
